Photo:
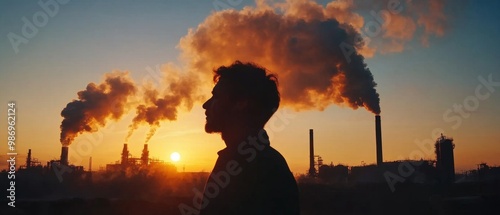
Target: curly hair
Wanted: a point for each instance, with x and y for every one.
(253, 83)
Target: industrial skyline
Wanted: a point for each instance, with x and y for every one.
(384, 107)
(431, 79)
(440, 170)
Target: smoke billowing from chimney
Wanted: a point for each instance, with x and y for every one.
(180, 90)
(304, 49)
(300, 40)
(96, 105)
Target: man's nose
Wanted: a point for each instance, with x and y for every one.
(206, 104)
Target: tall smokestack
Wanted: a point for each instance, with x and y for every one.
(90, 164)
(145, 155)
(378, 136)
(312, 171)
(64, 155)
(28, 160)
(125, 155)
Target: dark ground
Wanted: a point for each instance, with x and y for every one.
(316, 199)
(160, 191)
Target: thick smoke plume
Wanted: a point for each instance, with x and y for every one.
(95, 105)
(317, 51)
(180, 89)
(304, 49)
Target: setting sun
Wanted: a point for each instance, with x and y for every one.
(175, 156)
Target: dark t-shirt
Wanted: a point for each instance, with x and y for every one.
(252, 178)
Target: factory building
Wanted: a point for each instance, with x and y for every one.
(129, 162)
(441, 170)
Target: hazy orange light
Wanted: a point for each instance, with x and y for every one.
(175, 156)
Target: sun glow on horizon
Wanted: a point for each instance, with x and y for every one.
(175, 156)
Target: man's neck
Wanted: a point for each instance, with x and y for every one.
(234, 136)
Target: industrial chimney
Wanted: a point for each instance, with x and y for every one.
(64, 155)
(28, 160)
(378, 136)
(90, 164)
(145, 155)
(312, 170)
(125, 155)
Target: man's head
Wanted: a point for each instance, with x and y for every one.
(245, 95)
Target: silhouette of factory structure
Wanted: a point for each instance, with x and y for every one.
(441, 170)
(128, 162)
(139, 184)
(62, 166)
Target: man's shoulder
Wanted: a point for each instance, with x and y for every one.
(271, 153)
(272, 158)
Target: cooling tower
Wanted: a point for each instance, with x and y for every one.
(64, 155)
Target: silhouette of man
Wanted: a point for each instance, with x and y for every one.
(249, 177)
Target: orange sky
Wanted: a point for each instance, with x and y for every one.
(427, 66)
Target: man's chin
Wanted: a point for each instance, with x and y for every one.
(211, 129)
